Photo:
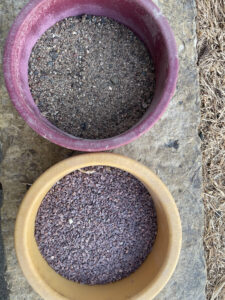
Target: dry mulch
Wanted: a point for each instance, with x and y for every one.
(210, 30)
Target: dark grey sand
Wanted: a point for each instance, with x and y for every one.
(96, 225)
(91, 77)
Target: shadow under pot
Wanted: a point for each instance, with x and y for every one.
(98, 226)
(124, 103)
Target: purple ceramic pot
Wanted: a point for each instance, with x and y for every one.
(142, 16)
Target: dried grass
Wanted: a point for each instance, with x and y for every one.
(211, 41)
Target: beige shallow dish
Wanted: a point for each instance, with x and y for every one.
(145, 283)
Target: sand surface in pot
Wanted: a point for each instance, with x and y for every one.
(91, 77)
(96, 225)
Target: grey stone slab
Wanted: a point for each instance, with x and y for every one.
(4, 293)
(171, 148)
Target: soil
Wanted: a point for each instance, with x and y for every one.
(96, 225)
(91, 77)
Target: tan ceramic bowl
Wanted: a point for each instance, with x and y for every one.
(145, 283)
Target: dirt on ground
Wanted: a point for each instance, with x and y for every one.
(211, 61)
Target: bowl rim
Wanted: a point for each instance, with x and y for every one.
(59, 170)
(63, 139)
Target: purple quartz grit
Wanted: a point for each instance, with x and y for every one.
(96, 225)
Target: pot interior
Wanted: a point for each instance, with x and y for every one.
(144, 277)
(140, 16)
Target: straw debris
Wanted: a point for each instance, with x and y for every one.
(210, 30)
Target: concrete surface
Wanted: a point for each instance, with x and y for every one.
(171, 149)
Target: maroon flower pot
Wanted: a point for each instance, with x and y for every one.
(141, 16)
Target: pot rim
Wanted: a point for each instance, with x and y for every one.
(66, 140)
(44, 183)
